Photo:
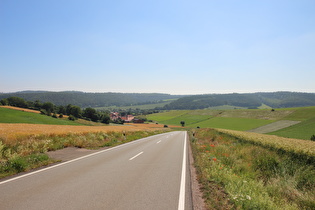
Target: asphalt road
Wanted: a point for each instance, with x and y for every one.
(150, 173)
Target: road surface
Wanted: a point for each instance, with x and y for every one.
(150, 173)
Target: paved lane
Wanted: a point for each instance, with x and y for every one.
(144, 174)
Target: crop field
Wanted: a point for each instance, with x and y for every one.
(240, 124)
(243, 119)
(301, 114)
(297, 146)
(9, 115)
(165, 116)
(303, 130)
(12, 131)
(229, 119)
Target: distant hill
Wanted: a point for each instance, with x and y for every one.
(182, 102)
(83, 99)
(247, 100)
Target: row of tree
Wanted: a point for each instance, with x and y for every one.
(91, 99)
(50, 109)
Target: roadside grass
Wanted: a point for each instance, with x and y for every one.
(15, 116)
(238, 172)
(303, 130)
(241, 124)
(27, 152)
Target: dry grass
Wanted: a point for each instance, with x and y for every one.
(12, 131)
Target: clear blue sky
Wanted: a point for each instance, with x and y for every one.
(165, 46)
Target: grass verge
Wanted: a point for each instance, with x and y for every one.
(236, 172)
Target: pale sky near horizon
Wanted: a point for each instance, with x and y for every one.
(161, 46)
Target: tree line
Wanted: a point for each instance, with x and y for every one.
(72, 111)
(83, 99)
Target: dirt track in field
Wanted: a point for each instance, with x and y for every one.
(274, 126)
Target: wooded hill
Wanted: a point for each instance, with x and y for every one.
(84, 100)
(247, 100)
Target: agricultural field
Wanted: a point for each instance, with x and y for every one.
(242, 170)
(303, 130)
(8, 115)
(240, 124)
(243, 119)
(202, 116)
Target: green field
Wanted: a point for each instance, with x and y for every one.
(240, 124)
(303, 130)
(15, 116)
(243, 119)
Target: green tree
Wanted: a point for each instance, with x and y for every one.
(61, 110)
(74, 110)
(49, 107)
(105, 119)
(183, 123)
(4, 102)
(16, 101)
(91, 114)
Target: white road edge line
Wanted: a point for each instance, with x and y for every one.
(181, 201)
(158, 142)
(136, 156)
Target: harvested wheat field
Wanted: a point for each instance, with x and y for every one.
(21, 109)
(8, 131)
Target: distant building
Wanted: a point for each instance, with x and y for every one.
(138, 121)
(116, 116)
(127, 118)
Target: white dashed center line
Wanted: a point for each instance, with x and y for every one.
(136, 156)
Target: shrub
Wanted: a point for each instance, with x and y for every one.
(71, 117)
(19, 164)
(165, 126)
(313, 137)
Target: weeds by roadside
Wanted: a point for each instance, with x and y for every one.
(248, 176)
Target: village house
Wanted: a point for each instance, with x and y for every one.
(115, 116)
(127, 118)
